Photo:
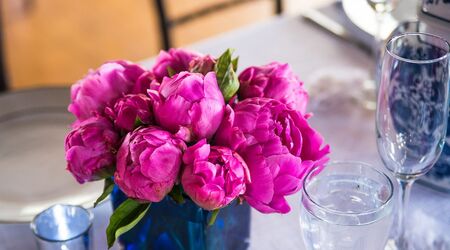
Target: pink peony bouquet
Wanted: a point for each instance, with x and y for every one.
(191, 128)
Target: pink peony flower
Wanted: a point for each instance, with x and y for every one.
(276, 81)
(100, 88)
(145, 82)
(128, 109)
(213, 176)
(90, 149)
(148, 163)
(278, 146)
(202, 64)
(189, 104)
(176, 59)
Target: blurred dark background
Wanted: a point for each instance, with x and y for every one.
(54, 42)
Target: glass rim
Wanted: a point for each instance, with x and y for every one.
(340, 213)
(89, 213)
(391, 40)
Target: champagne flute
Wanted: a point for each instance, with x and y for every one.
(412, 110)
(382, 6)
(381, 9)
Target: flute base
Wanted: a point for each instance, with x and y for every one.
(390, 245)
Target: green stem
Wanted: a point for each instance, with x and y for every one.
(213, 217)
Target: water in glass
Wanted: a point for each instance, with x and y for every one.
(346, 210)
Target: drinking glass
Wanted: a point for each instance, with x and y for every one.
(412, 110)
(381, 8)
(346, 206)
(63, 227)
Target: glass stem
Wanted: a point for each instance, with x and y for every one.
(378, 48)
(404, 193)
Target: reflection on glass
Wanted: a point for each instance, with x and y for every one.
(63, 227)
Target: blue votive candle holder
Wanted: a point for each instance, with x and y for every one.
(63, 227)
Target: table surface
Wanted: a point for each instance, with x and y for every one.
(310, 52)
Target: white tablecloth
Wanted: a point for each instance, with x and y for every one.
(350, 133)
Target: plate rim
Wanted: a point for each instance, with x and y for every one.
(23, 219)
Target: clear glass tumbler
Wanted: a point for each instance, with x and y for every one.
(64, 227)
(346, 206)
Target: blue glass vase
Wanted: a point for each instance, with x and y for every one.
(171, 226)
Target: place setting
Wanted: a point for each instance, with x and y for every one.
(199, 149)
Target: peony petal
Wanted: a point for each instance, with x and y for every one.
(211, 88)
(191, 88)
(206, 117)
(261, 187)
(148, 164)
(190, 153)
(173, 113)
(184, 133)
(162, 164)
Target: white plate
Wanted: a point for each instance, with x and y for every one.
(363, 16)
(33, 175)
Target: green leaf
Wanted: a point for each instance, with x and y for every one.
(235, 62)
(230, 86)
(177, 194)
(125, 217)
(138, 122)
(213, 217)
(222, 65)
(171, 71)
(107, 189)
(227, 79)
(105, 173)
